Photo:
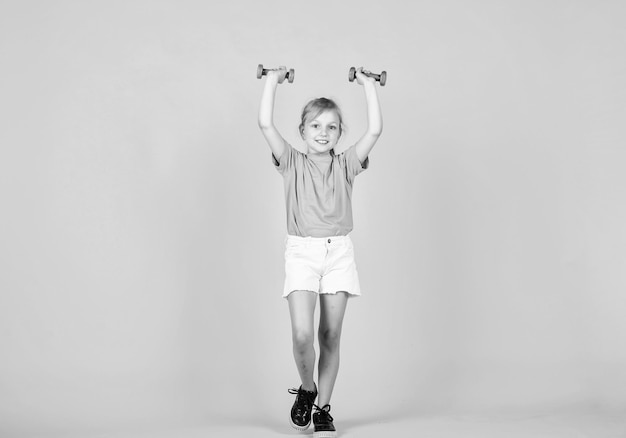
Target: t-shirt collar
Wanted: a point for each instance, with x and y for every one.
(322, 158)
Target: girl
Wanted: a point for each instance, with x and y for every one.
(319, 257)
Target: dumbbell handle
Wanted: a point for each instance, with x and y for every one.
(263, 71)
(382, 77)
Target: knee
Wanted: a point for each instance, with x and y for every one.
(329, 338)
(302, 340)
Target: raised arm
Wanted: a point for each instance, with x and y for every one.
(374, 117)
(266, 113)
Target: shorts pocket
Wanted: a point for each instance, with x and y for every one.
(293, 249)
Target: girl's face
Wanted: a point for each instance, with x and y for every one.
(321, 134)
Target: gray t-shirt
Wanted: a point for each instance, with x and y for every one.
(318, 191)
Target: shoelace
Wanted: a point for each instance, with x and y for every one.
(303, 398)
(324, 413)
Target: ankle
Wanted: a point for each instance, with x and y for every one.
(309, 388)
(321, 403)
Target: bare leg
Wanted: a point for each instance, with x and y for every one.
(332, 310)
(301, 310)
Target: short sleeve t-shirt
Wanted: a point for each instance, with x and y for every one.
(318, 191)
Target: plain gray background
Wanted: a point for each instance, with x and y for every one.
(142, 224)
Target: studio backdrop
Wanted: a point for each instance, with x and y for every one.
(142, 223)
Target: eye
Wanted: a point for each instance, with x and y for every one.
(314, 125)
(333, 127)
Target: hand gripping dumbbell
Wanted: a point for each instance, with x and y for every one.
(382, 78)
(260, 72)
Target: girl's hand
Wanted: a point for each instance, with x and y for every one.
(362, 78)
(277, 75)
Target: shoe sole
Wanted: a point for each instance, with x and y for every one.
(325, 434)
(299, 428)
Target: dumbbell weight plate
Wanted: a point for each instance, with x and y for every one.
(383, 78)
(259, 71)
(291, 75)
(352, 74)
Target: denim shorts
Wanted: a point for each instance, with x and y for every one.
(324, 265)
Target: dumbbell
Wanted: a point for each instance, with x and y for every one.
(260, 72)
(382, 78)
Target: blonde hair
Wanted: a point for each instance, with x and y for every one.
(315, 107)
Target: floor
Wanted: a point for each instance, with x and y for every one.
(555, 425)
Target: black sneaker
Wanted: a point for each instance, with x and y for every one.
(323, 423)
(301, 410)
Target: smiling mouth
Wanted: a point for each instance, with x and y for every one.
(322, 141)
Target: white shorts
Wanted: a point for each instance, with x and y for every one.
(324, 265)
